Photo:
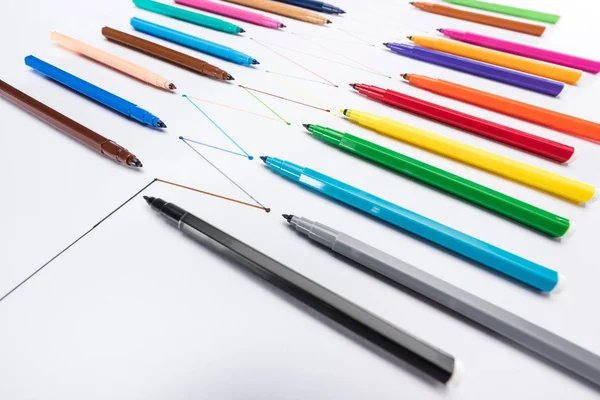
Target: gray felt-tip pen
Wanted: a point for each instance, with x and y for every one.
(401, 346)
(568, 355)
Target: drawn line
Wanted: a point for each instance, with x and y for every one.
(239, 109)
(214, 195)
(76, 240)
(355, 37)
(295, 89)
(341, 55)
(298, 77)
(224, 174)
(218, 127)
(265, 104)
(294, 62)
(328, 60)
(213, 147)
(283, 98)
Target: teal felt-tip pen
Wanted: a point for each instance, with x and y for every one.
(518, 268)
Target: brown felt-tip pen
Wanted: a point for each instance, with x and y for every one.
(165, 53)
(74, 129)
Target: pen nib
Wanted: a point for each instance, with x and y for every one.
(161, 124)
(149, 199)
(306, 125)
(172, 86)
(230, 78)
(135, 163)
(255, 62)
(264, 159)
(282, 26)
(242, 31)
(329, 22)
(288, 217)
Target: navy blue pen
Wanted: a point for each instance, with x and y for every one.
(193, 42)
(314, 5)
(94, 92)
(504, 75)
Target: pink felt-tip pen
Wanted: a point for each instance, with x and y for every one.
(232, 12)
(552, 57)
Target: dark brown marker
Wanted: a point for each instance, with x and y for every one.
(165, 53)
(74, 129)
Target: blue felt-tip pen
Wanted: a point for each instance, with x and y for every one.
(94, 92)
(192, 42)
(528, 272)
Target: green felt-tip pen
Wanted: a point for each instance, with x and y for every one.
(188, 16)
(507, 10)
(540, 220)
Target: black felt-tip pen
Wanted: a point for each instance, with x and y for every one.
(397, 343)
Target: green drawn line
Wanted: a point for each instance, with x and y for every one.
(264, 104)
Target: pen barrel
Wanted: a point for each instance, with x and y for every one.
(515, 78)
(505, 324)
(164, 53)
(542, 116)
(111, 60)
(282, 9)
(79, 85)
(528, 272)
(508, 10)
(536, 53)
(517, 26)
(400, 345)
(545, 70)
(536, 218)
(190, 41)
(538, 178)
(237, 13)
(513, 137)
(64, 124)
(188, 16)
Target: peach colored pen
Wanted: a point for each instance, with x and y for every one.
(112, 61)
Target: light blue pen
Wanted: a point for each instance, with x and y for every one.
(94, 92)
(526, 271)
(193, 42)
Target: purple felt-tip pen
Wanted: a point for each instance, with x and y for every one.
(515, 78)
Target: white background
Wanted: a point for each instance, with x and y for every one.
(137, 311)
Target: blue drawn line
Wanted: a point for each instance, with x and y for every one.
(212, 147)
(218, 127)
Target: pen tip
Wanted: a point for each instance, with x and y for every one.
(412, 3)
(288, 217)
(136, 163)
(353, 85)
(409, 37)
(406, 76)
(440, 30)
(306, 125)
(230, 78)
(329, 22)
(172, 86)
(161, 124)
(282, 26)
(386, 44)
(149, 199)
(264, 159)
(344, 111)
(255, 62)
(242, 31)
(342, 12)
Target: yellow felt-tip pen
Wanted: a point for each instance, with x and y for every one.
(550, 182)
(534, 67)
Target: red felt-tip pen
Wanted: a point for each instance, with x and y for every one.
(513, 137)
